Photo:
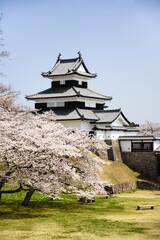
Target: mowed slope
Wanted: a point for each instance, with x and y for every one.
(116, 172)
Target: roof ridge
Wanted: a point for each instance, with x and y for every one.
(99, 94)
(55, 66)
(78, 112)
(109, 98)
(96, 115)
(77, 92)
(78, 63)
(69, 59)
(73, 68)
(83, 114)
(84, 65)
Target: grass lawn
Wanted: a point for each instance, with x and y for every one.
(113, 218)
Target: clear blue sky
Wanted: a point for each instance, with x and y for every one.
(119, 40)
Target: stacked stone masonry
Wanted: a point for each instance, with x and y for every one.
(148, 185)
(145, 163)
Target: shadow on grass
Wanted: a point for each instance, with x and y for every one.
(71, 215)
(44, 208)
(14, 210)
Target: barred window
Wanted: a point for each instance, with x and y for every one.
(90, 104)
(55, 104)
(142, 146)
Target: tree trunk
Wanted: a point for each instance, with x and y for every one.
(28, 197)
(12, 191)
(4, 180)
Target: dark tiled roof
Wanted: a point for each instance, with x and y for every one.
(115, 128)
(109, 116)
(53, 93)
(87, 114)
(67, 114)
(137, 137)
(68, 67)
(74, 114)
(91, 94)
(67, 92)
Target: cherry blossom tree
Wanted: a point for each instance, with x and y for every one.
(3, 53)
(8, 98)
(46, 156)
(7, 105)
(149, 128)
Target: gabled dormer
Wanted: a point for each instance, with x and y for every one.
(69, 69)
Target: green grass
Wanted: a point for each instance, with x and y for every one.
(111, 173)
(69, 219)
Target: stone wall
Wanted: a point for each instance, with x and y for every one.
(110, 151)
(145, 163)
(148, 185)
(121, 187)
(114, 153)
(130, 186)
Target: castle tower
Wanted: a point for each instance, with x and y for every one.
(69, 97)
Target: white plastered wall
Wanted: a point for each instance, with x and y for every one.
(81, 125)
(120, 121)
(81, 68)
(156, 144)
(71, 124)
(125, 146)
(100, 134)
(112, 135)
(85, 126)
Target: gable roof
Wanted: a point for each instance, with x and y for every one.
(66, 92)
(67, 67)
(109, 116)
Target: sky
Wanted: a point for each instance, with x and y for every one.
(118, 39)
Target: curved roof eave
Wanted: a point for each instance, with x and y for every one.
(38, 98)
(89, 75)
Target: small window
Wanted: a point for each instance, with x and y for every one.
(62, 82)
(51, 104)
(60, 104)
(142, 146)
(90, 104)
(137, 146)
(55, 104)
(148, 146)
(87, 104)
